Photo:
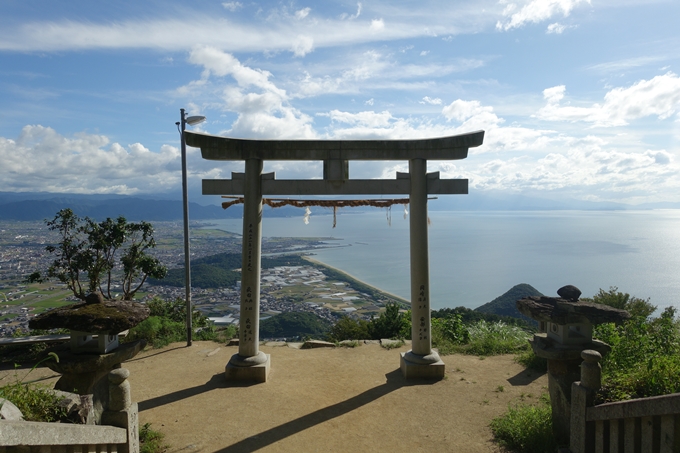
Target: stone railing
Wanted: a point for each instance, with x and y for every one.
(647, 425)
(118, 433)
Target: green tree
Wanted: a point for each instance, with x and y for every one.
(349, 329)
(614, 298)
(390, 324)
(101, 252)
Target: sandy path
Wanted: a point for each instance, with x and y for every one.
(325, 400)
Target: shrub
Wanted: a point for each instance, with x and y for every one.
(37, 404)
(349, 329)
(526, 428)
(645, 357)
(614, 298)
(175, 310)
(158, 331)
(390, 324)
(167, 324)
(449, 332)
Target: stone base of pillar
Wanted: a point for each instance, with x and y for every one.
(412, 370)
(253, 373)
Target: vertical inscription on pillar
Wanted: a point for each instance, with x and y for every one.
(423, 304)
(249, 258)
(246, 316)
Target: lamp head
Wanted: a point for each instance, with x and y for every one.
(194, 120)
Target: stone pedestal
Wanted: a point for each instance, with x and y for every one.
(253, 372)
(86, 373)
(412, 370)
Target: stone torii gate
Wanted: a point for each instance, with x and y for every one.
(252, 364)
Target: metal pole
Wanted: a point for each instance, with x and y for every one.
(187, 256)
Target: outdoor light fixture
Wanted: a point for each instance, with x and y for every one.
(191, 121)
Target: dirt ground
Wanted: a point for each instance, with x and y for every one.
(323, 400)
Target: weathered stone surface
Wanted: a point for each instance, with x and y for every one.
(87, 373)
(389, 343)
(317, 344)
(547, 348)
(70, 363)
(78, 408)
(569, 292)
(561, 311)
(94, 316)
(8, 411)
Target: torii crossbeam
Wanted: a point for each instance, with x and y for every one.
(421, 361)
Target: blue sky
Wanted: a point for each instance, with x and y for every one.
(579, 99)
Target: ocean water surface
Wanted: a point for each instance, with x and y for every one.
(477, 256)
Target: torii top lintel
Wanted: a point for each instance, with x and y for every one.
(443, 148)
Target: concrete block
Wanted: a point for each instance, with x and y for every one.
(417, 371)
(255, 373)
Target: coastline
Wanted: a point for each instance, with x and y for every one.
(351, 277)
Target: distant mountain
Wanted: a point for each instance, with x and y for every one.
(504, 305)
(132, 208)
(164, 206)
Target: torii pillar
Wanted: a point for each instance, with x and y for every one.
(250, 363)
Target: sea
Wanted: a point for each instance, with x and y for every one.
(477, 256)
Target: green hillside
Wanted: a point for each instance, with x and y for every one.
(219, 271)
(504, 305)
(294, 324)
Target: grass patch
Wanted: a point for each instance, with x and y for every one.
(531, 361)
(150, 440)
(481, 338)
(36, 403)
(526, 428)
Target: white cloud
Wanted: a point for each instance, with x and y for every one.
(352, 16)
(431, 101)
(221, 64)
(377, 25)
(40, 159)
(301, 14)
(424, 52)
(535, 11)
(627, 63)
(556, 29)
(369, 102)
(261, 33)
(659, 96)
(232, 6)
(462, 110)
(263, 109)
(303, 45)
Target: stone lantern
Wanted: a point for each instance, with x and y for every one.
(94, 347)
(566, 329)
